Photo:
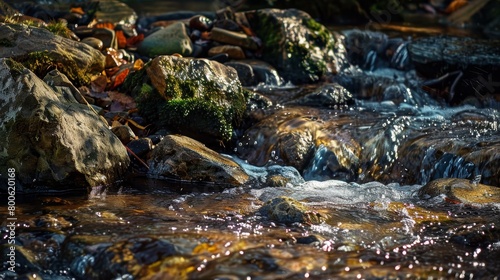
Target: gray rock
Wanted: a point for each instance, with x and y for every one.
(180, 157)
(41, 51)
(52, 142)
(328, 95)
(169, 40)
(116, 12)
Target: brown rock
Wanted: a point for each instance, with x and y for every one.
(234, 52)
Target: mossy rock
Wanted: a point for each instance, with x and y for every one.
(299, 47)
(198, 98)
(41, 51)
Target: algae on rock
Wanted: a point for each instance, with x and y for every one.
(199, 98)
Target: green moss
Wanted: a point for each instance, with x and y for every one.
(16, 68)
(319, 33)
(149, 102)
(134, 81)
(59, 28)
(198, 116)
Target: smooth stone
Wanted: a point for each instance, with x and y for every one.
(116, 12)
(233, 38)
(183, 158)
(234, 52)
(245, 72)
(461, 190)
(170, 40)
(93, 42)
(201, 23)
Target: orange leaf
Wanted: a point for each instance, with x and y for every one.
(120, 77)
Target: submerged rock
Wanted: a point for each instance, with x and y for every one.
(199, 98)
(41, 51)
(288, 211)
(182, 158)
(52, 142)
(328, 95)
(298, 46)
(461, 190)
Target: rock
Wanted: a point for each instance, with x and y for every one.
(316, 147)
(141, 147)
(461, 190)
(199, 98)
(299, 47)
(288, 211)
(124, 133)
(169, 40)
(183, 158)
(51, 142)
(41, 51)
(233, 38)
(107, 36)
(93, 42)
(245, 72)
(115, 12)
(328, 95)
(265, 73)
(234, 52)
(477, 59)
(201, 23)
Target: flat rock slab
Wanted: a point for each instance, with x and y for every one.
(182, 158)
(461, 190)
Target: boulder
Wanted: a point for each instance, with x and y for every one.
(116, 12)
(41, 51)
(52, 142)
(299, 47)
(477, 61)
(182, 158)
(169, 40)
(198, 98)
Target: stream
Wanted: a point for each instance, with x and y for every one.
(375, 226)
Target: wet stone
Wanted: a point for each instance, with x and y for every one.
(328, 95)
(234, 52)
(245, 72)
(288, 211)
(201, 23)
(461, 191)
(166, 41)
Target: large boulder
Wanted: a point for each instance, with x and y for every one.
(41, 51)
(52, 142)
(198, 98)
(300, 48)
(183, 158)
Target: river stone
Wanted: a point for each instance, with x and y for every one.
(234, 52)
(53, 143)
(328, 95)
(287, 210)
(116, 12)
(41, 51)
(169, 40)
(461, 190)
(477, 59)
(183, 158)
(198, 98)
(298, 46)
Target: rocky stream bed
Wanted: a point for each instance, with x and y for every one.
(243, 144)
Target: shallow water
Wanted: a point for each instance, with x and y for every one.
(372, 231)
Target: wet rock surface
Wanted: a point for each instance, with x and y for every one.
(41, 51)
(54, 143)
(287, 210)
(461, 191)
(182, 158)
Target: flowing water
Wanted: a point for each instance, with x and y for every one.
(371, 230)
